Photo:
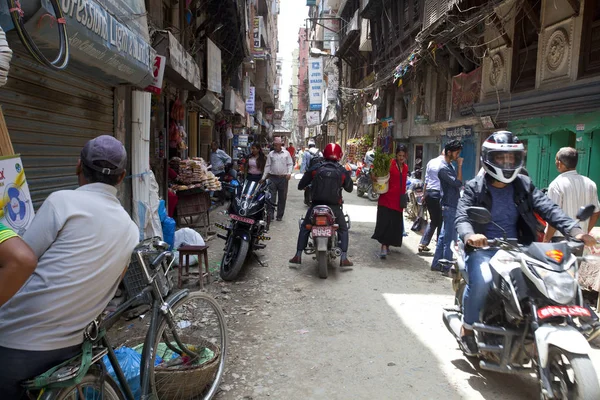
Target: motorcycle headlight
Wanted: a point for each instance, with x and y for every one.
(561, 286)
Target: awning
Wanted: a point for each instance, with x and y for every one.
(330, 114)
(181, 67)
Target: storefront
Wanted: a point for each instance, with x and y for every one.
(50, 115)
(543, 137)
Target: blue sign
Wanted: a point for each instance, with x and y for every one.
(311, 2)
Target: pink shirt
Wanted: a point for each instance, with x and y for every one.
(252, 166)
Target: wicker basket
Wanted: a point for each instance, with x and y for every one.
(187, 382)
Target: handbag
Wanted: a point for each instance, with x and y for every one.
(420, 223)
(403, 197)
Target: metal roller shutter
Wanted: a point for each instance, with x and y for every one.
(50, 116)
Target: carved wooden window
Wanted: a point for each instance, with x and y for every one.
(525, 49)
(590, 54)
(405, 12)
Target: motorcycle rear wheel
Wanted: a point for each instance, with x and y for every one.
(322, 263)
(231, 265)
(359, 193)
(576, 380)
(371, 195)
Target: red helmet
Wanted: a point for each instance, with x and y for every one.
(333, 152)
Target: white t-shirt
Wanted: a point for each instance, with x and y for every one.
(84, 240)
(571, 191)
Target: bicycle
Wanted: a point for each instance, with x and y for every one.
(174, 345)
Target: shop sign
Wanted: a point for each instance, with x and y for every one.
(313, 118)
(181, 61)
(158, 71)
(387, 122)
(311, 2)
(240, 106)
(213, 66)
(269, 114)
(250, 105)
(580, 127)
(331, 27)
(16, 208)
(98, 40)
(459, 132)
(258, 30)
(331, 129)
(370, 115)
(315, 83)
(243, 140)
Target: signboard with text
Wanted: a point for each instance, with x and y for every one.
(250, 106)
(158, 71)
(213, 66)
(315, 83)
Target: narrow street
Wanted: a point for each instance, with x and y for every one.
(374, 332)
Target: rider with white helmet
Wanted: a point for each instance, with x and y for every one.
(512, 200)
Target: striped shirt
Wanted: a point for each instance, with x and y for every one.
(6, 233)
(278, 163)
(571, 191)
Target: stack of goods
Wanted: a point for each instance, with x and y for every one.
(193, 173)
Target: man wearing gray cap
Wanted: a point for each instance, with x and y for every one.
(83, 240)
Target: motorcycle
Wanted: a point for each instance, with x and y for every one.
(528, 322)
(364, 184)
(249, 221)
(414, 189)
(324, 240)
(353, 169)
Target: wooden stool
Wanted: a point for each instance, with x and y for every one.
(199, 251)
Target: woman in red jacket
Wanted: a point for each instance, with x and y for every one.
(389, 227)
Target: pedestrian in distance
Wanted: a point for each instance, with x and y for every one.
(328, 178)
(570, 191)
(432, 195)
(389, 226)
(450, 182)
(278, 170)
(255, 167)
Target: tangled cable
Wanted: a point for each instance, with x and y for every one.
(62, 59)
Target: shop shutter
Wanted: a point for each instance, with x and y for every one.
(50, 115)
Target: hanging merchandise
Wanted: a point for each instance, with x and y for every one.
(229, 133)
(5, 57)
(177, 111)
(174, 136)
(181, 144)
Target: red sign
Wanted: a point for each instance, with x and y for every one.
(563, 311)
(158, 70)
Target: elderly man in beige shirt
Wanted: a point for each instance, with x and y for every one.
(279, 170)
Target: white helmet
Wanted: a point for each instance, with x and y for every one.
(311, 142)
(502, 156)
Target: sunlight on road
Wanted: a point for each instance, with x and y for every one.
(361, 213)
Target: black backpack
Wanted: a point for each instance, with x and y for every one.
(314, 160)
(327, 184)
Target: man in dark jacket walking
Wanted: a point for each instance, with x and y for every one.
(512, 199)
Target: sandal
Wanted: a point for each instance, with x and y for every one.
(424, 249)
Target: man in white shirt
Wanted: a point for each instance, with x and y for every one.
(218, 160)
(432, 196)
(279, 171)
(83, 240)
(570, 191)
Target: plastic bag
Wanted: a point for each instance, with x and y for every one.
(162, 211)
(168, 226)
(187, 236)
(130, 362)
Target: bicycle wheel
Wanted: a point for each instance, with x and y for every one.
(198, 323)
(91, 389)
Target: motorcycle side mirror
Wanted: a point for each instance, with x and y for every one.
(479, 215)
(586, 212)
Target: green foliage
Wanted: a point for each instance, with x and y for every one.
(381, 163)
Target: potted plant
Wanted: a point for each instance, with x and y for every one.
(381, 171)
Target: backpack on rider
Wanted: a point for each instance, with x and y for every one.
(327, 184)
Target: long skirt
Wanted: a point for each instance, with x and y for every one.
(389, 228)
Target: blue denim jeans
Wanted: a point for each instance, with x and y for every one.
(443, 249)
(480, 279)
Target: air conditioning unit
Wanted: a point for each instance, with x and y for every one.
(211, 103)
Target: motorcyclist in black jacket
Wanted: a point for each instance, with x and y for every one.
(332, 155)
(512, 199)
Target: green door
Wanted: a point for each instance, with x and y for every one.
(584, 149)
(537, 162)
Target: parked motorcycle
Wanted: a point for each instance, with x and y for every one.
(414, 189)
(324, 240)
(528, 322)
(249, 221)
(364, 184)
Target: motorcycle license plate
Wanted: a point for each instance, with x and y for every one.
(322, 231)
(242, 219)
(563, 311)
